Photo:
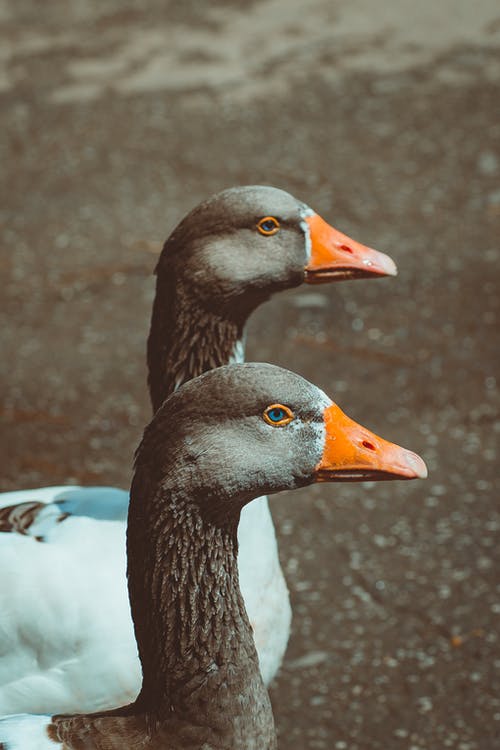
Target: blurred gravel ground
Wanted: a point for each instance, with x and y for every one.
(383, 117)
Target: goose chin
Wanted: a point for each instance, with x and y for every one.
(363, 475)
(328, 275)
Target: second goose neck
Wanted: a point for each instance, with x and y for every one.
(187, 339)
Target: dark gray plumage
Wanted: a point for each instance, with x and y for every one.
(201, 680)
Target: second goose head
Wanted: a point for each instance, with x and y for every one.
(243, 244)
(225, 258)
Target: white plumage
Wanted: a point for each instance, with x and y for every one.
(66, 636)
(25, 732)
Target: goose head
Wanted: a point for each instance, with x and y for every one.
(244, 430)
(241, 245)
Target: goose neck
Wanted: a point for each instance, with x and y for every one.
(195, 642)
(188, 337)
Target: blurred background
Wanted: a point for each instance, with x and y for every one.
(383, 116)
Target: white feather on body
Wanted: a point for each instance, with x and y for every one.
(66, 635)
(26, 732)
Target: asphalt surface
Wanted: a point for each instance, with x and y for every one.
(384, 118)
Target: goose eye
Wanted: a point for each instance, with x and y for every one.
(268, 225)
(278, 415)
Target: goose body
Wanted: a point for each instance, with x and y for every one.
(65, 559)
(66, 637)
(241, 430)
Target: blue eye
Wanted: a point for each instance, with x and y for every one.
(278, 415)
(268, 225)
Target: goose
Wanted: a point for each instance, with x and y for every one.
(66, 636)
(241, 430)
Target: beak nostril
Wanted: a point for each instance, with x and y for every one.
(347, 249)
(367, 444)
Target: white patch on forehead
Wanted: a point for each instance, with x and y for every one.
(307, 236)
(316, 443)
(319, 438)
(238, 355)
(319, 427)
(323, 399)
(305, 211)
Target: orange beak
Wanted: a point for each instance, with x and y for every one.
(354, 454)
(335, 257)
